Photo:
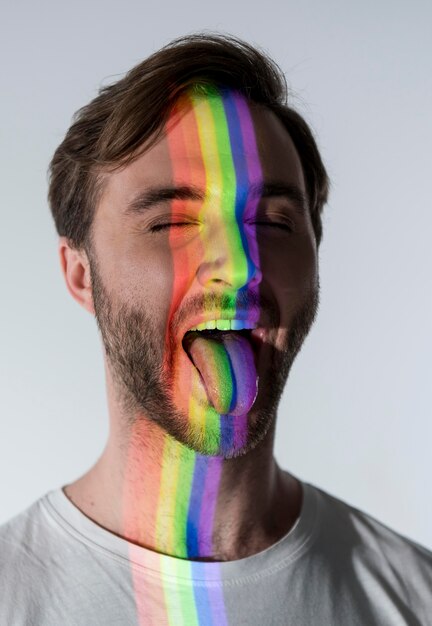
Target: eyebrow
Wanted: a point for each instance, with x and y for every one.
(157, 195)
(151, 197)
(293, 193)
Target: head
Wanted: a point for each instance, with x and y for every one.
(189, 194)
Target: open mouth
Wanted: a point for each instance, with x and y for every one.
(226, 360)
(218, 330)
(215, 335)
(255, 338)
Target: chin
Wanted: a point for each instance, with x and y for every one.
(228, 436)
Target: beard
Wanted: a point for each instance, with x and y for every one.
(137, 364)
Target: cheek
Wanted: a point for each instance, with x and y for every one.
(290, 267)
(141, 274)
(185, 256)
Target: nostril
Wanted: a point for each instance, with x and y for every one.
(255, 277)
(224, 270)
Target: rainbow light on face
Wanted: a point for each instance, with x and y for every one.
(181, 490)
(221, 131)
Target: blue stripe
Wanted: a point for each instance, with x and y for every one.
(194, 510)
(241, 171)
(201, 593)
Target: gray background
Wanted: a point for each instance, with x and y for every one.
(355, 418)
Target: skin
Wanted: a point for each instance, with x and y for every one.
(253, 502)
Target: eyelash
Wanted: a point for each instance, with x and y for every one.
(285, 227)
(159, 227)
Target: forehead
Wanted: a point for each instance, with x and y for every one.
(203, 134)
(221, 126)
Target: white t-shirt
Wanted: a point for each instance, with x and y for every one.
(337, 565)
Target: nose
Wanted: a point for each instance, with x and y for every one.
(227, 259)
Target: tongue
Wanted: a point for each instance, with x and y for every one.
(227, 367)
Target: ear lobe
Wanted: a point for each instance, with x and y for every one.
(76, 272)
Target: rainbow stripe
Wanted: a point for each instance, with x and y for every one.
(181, 486)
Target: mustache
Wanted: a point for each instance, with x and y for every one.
(246, 301)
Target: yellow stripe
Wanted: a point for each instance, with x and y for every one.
(167, 497)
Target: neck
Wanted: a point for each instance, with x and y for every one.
(157, 493)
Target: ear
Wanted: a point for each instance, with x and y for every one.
(76, 271)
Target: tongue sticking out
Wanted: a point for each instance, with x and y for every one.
(226, 363)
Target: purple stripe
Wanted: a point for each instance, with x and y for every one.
(216, 599)
(240, 431)
(249, 140)
(208, 503)
(255, 177)
(254, 174)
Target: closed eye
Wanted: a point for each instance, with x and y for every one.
(159, 227)
(281, 225)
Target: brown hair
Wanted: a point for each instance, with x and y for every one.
(112, 129)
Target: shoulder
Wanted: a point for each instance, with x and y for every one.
(25, 552)
(18, 536)
(376, 552)
(35, 541)
(370, 532)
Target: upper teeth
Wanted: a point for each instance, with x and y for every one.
(225, 325)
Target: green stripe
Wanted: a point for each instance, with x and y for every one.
(222, 366)
(184, 486)
(212, 431)
(229, 185)
(179, 598)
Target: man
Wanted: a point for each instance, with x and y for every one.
(188, 198)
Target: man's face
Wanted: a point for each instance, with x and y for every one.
(209, 228)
